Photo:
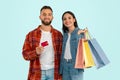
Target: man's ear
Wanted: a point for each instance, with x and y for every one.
(39, 17)
(52, 17)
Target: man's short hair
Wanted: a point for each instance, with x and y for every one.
(46, 7)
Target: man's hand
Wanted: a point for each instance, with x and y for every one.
(39, 50)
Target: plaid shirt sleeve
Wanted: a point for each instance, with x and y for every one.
(29, 53)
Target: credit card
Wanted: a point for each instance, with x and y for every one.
(45, 43)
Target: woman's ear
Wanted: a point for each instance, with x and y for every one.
(74, 19)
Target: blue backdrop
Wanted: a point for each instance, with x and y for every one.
(18, 17)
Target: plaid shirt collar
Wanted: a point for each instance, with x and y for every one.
(39, 30)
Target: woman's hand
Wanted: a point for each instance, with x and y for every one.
(82, 31)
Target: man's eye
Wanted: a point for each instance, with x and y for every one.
(50, 14)
(44, 14)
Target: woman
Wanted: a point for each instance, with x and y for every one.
(71, 36)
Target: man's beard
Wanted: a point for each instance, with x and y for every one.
(46, 23)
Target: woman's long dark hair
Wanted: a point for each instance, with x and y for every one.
(64, 28)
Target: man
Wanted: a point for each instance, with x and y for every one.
(42, 47)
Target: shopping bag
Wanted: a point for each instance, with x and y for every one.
(84, 56)
(89, 62)
(79, 62)
(98, 54)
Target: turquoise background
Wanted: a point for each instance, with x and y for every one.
(18, 17)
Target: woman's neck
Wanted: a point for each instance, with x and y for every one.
(71, 29)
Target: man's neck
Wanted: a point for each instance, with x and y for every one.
(46, 28)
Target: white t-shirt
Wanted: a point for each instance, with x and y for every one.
(67, 54)
(47, 56)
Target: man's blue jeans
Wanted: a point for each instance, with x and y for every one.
(47, 74)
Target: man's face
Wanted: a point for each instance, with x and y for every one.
(46, 16)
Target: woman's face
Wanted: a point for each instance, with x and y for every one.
(68, 20)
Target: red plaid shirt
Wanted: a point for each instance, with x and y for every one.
(29, 53)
